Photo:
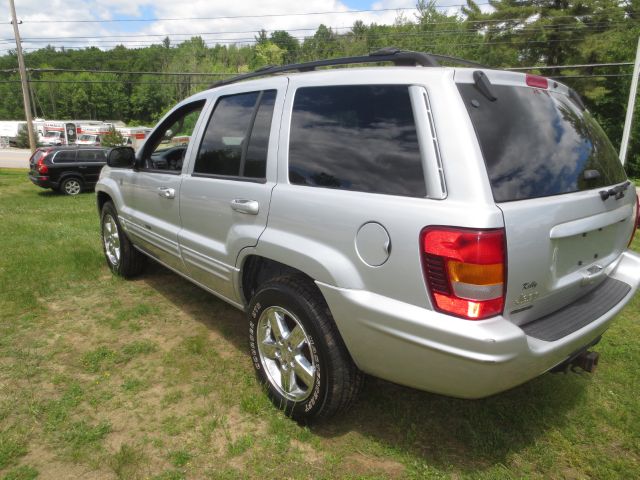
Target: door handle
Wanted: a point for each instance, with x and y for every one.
(245, 206)
(166, 192)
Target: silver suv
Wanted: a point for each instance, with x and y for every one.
(456, 230)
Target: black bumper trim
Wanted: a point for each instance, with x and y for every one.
(580, 313)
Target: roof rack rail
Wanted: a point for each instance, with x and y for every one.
(389, 54)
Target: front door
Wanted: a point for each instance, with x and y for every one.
(153, 191)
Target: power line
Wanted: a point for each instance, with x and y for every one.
(177, 82)
(208, 74)
(479, 43)
(233, 17)
(594, 76)
(337, 12)
(193, 34)
(123, 72)
(135, 82)
(583, 65)
(369, 35)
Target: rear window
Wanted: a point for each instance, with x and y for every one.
(538, 143)
(360, 138)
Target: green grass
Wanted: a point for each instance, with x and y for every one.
(150, 378)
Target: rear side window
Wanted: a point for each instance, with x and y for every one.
(360, 138)
(93, 156)
(64, 156)
(538, 143)
(237, 136)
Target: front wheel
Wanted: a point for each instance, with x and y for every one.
(122, 258)
(297, 351)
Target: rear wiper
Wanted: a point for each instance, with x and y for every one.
(618, 191)
(484, 85)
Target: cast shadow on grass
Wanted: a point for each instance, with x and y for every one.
(422, 427)
(49, 193)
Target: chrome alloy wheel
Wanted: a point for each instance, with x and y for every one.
(111, 239)
(72, 187)
(285, 353)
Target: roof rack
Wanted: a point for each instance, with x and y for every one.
(396, 56)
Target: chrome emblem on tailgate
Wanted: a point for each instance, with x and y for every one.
(592, 273)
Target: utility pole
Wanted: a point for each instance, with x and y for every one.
(631, 104)
(23, 78)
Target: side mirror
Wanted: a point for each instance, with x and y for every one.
(121, 157)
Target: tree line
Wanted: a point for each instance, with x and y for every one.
(516, 33)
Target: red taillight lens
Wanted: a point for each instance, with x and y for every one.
(537, 81)
(41, 167)
(465, 270)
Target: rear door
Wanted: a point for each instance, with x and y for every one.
(225, 199)
(552, 171)
(90, 162)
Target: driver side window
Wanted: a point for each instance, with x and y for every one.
(166, 149)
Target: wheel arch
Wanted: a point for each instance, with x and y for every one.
(67, 175)
(256, 269)
(101, 199)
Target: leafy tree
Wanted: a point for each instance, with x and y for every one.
(268, 54)
(287, 43)
(112, 138)
(22, 138)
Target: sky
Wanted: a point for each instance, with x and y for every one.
(137, 23)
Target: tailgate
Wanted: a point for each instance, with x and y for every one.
(561, 248)
(567, 205)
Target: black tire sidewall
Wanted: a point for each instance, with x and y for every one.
(281, 296)
(109, 209)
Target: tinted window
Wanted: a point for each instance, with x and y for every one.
(356, 138)
(167, 145)
(92, 156)
(65, 156)
(538, 143)
(255, 163)
(221, 148)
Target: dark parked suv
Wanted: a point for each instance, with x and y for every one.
(67, 169)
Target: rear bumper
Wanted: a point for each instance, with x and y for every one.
(42, 181)
(431, 351)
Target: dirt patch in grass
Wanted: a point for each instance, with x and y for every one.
(361, 464)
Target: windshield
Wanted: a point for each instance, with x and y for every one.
(538, 143)
(52, 134)
(87, 138)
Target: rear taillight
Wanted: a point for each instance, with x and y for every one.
(465, 270)
(537, 81)
(41, 167)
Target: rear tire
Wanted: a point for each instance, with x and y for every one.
(122, 258)
(297, 351)
(71, 186)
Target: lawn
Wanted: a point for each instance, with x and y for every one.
(105, 378)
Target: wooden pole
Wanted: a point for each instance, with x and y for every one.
(23, 79)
